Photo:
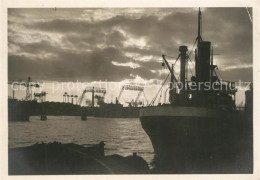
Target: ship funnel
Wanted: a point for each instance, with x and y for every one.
(183, 49)
(202, 55)
(183, 55)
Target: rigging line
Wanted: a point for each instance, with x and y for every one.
(174, 57)
(159, 101)
(159, 91)
(190, 54)
(165, 68)
(193, 46)
(170, 56)
(218, 76)
(192, 65)
(163, 77)
(176, 60)
(165, 95)
(190, 71)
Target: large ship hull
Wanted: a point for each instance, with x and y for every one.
(197, 140)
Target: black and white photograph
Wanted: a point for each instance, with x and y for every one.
(131, 91)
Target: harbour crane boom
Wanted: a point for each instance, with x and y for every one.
(28, 86)
(132, 88)
(138, 96)
(145, 98)
(93, 90)
(121, 91)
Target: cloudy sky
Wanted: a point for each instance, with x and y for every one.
(116, 45)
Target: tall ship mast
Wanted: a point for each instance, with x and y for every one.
(198, 131)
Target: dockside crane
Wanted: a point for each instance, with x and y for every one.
(93, 90)
(40, 96)
(133, 88)
(28, 86)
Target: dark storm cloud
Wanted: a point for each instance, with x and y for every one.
(81, 44)
(70, 66)
(160, 34)
(234, 35)
(93, 39)
(39, 47)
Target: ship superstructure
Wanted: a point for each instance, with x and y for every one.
(199, 131)
(204, 89)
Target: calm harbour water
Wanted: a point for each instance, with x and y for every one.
(122, 136)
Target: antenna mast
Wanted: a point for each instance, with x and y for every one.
(197, 52)
(199, 27)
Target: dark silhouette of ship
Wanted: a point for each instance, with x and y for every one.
(21, 110)
(116, 110)
(200, 131)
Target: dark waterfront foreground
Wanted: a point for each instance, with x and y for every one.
(122, 136)
(56, 158)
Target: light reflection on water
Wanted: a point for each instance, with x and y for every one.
(121, 136)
